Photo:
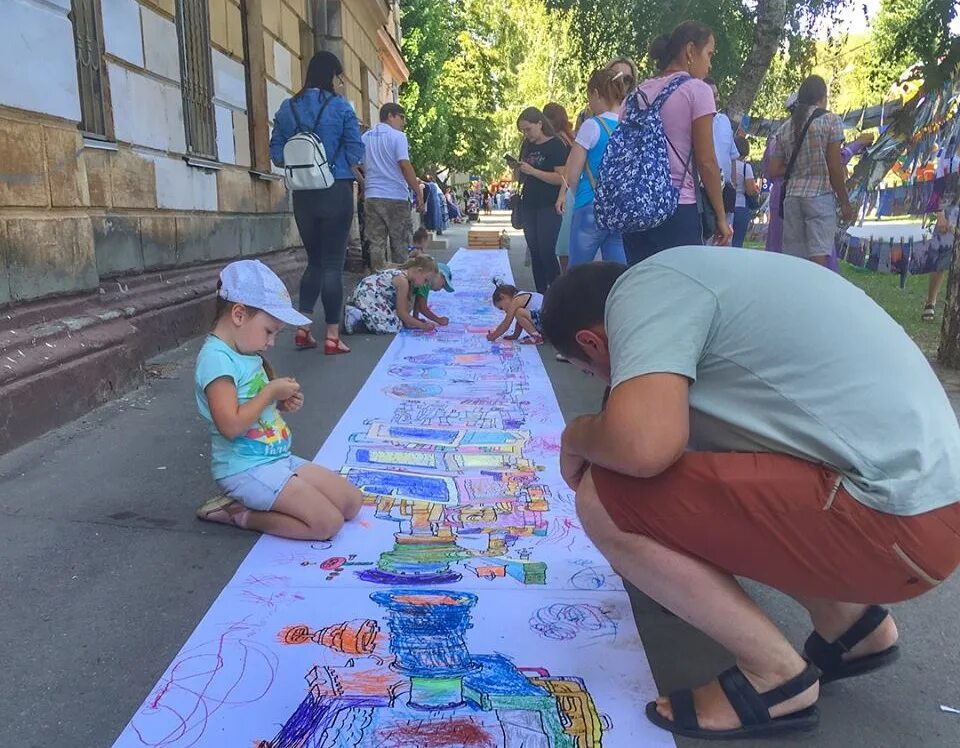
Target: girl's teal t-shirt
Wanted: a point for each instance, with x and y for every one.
(267, 440)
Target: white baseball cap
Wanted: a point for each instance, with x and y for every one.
(252, 283)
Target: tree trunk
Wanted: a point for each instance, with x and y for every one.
(949, 353)
(771, 20)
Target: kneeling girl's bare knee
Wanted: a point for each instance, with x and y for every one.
(327, 525)
(353, 501)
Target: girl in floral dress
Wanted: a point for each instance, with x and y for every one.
(381, 303)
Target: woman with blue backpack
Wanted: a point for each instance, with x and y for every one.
(648, 188)
(606, 90)
(316, 138)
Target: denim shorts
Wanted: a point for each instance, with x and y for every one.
(258, 487)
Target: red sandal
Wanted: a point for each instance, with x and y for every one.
(303, 340)
(334, 347)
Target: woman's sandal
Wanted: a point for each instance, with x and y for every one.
(828, 656)
(334, 347)
(223, 510)
(303, 340)
(532, 340)
(752, 708)
(929, 312)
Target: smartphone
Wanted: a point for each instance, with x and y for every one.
(511, 160)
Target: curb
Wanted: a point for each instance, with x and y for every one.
(63, 357)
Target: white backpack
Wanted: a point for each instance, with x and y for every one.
(305, 158)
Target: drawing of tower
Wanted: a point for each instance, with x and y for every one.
(432, 692)
(427, 636)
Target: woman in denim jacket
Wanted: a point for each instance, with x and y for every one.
(323, 216)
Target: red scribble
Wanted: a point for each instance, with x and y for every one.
(269, 601)
(191, 692)
(463, 733)
(267, 580)
(544, 444)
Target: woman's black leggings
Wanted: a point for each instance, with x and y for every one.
(323, 218)
(541, 227)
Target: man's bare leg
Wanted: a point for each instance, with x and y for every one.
(833, 619)
(706, 598)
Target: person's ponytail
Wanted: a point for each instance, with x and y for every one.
(666, 48)
(812, 90)
(659, 52)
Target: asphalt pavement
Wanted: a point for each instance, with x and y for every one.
(104, 571)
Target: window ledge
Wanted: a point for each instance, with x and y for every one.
(266, 175)
(203, 163)
(98, 144)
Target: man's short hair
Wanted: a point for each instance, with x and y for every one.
(576, 301)
(390, 109)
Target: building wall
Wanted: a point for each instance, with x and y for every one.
(74, 210)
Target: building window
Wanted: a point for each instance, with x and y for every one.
(91, 71)
(196, 72)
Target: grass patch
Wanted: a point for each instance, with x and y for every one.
(904, 305)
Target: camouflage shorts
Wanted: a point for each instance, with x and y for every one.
(387, 223)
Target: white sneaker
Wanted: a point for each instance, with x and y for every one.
(352, 318)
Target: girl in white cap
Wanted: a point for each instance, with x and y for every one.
(266, 487)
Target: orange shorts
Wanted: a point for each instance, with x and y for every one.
(786, 523)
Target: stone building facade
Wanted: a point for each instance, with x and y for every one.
(134, 133)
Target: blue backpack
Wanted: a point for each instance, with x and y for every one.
(634, 189)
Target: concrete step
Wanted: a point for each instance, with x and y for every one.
(62, 357)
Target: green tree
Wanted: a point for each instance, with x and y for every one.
(474, 64)
(749, 34)
(430, 29)
(906, 32)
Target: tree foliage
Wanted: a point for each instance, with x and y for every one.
(474, 65)
(610, 27)
(430, 30)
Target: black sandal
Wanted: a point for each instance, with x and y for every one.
(828, 656)
(752, 708)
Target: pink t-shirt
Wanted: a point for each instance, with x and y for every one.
(692, 100)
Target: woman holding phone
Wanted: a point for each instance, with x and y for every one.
(540, 156)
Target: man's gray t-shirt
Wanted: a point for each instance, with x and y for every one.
(785, 356)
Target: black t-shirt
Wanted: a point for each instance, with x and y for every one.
(545, 156)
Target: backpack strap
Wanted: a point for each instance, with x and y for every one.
(590, 177)
(604, 125)
(668, 91)
(326, 101)
(316, 122)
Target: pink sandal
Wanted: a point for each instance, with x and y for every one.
(224, 511)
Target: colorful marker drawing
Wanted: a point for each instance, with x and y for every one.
(430, 690)
(464, 607)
